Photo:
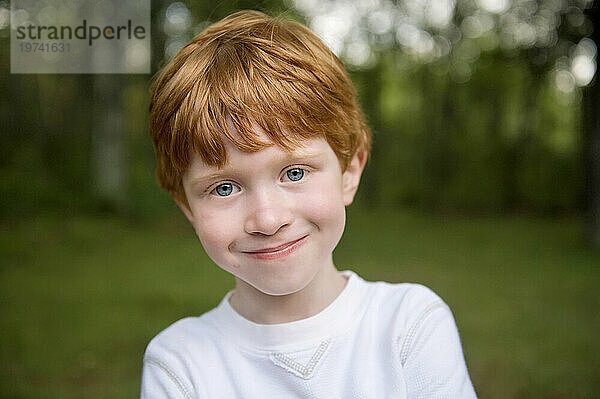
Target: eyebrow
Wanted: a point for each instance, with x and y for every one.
(298, 155)
(204, 179)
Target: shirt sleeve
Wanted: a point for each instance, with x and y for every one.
(160, 382)
(431, 354)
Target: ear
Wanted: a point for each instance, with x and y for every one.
(351, 177)
(185, 208)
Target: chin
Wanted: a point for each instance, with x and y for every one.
(282, 292)
(282, 287)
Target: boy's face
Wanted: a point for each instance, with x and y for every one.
(272, 218)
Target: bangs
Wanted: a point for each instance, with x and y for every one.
(246, 86)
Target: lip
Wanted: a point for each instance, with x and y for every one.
(279, 251)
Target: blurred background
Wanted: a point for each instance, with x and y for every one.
(484, 184)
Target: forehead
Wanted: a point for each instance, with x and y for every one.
(235, 153)
(302, 148)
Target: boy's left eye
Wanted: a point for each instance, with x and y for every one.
(295, 174)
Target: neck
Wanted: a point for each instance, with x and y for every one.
(262, 308)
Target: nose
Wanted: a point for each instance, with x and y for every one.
(268, 212)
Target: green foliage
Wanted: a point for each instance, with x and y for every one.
(503, 141)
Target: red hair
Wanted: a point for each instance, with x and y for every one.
(247, 68)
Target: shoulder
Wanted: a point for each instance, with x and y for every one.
(406, 311)
(406, 293)
(421, 312)
(172, 359)
(405, 304)
(183, 337)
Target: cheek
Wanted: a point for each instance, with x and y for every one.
(326, 209)
(215, 235)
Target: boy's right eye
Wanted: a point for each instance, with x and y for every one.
(225, 189)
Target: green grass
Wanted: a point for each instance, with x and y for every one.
(81, 297)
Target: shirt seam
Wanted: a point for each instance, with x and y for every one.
(182, 388)
(410, 336)
(305, 371)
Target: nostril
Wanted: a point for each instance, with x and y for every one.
(267, 222)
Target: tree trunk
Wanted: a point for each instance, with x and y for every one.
(107, 142)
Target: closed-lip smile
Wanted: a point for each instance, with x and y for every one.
(278, 251)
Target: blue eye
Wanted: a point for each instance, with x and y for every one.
(224, 190)
(295, 174)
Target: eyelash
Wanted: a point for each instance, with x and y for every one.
(303, 168)
(213, 189)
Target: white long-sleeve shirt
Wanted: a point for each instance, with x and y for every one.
(375, 340)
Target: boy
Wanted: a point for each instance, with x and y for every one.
(261, 143)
